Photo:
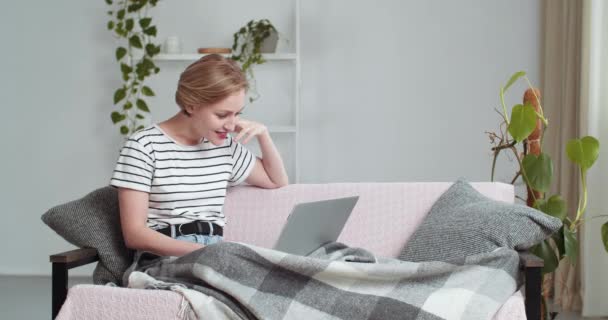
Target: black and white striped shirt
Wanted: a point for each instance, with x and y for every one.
(185, 183)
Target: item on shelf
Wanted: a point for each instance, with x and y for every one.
(173, 45)
(253, 39)
(214, 50)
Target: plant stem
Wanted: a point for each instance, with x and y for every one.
(494, 165)
(504, 107)
(515, 178)
(581, 209)
(523, 172)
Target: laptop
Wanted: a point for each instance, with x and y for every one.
(310, 225)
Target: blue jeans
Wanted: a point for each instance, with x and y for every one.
(199, 238)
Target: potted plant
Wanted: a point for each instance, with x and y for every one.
(253, 39)
(132, 26)
(525, 128)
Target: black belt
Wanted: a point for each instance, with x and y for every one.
(197, 227)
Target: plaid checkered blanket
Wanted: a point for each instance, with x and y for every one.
(238, 281)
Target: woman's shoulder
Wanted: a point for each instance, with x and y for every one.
(146, 133)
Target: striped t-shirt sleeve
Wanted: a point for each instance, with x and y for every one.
(243, 162)
(134, 168)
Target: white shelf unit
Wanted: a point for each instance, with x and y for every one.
(195, 56)
(270, 57)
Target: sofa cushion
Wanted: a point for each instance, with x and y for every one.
(464, 222)
(93, 221)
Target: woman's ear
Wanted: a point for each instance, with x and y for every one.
(188, 110)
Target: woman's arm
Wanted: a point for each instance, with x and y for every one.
(133, 216)
(269, 171)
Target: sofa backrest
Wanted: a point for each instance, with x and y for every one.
(384, 218)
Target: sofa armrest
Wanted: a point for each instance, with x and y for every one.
(61, 263)
(532, 266)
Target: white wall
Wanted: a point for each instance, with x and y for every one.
(391, 91)
(595, 123)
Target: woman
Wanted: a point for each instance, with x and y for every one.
(172, 176)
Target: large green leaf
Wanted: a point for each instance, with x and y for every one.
(558, 238)
(583, 151)
(555, 206)
(544, 251)
(539, 171)
(523, 121)
(605, 235)
(514, 78)
(571, 245)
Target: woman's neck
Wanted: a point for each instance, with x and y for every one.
(180, 129)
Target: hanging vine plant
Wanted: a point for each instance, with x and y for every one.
(133, 27)
(247, 48)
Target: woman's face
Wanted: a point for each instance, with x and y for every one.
(215, 121)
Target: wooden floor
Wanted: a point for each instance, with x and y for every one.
(30, 298)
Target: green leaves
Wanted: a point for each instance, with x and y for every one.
(144, 22)
(523, 121)
(513, 78)
(117, 117)
(555, 206)
(571, 245)
(544, 251)
(141, 105)
(150, 31)
(147, 91)
(583, 151)
(539, 171)
(120, 53)
(135, 41)
(130, 23)
(605, 235)
(119, 95)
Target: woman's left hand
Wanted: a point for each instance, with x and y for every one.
(249, 128)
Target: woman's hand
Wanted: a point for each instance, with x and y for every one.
(249, 129)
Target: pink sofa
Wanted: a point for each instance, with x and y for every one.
(382, 222)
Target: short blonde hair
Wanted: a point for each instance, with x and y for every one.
(209, 80)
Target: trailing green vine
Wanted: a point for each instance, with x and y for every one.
(133, 27)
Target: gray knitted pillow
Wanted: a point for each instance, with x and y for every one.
(94, 222)
(464, 222)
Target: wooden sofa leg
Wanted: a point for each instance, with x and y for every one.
(60, 286)
(533, 292)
